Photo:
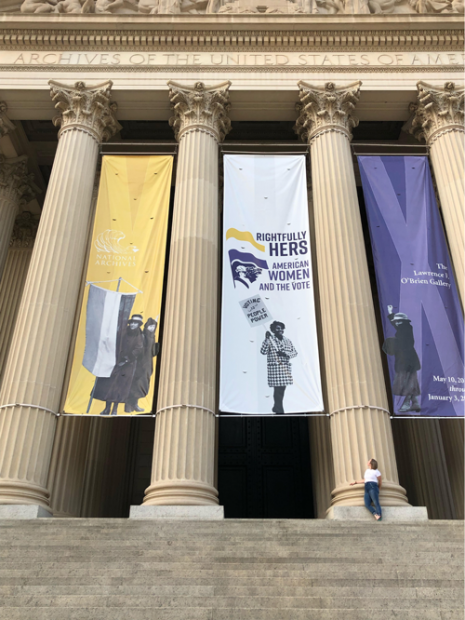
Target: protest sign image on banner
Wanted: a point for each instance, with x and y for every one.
(269, 348)
(117, 340)
(420, 308)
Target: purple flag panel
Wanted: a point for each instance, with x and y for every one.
(420, 309)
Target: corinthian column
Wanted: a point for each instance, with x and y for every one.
(36, 363)
(14, 277)
(184, 448)
(360, 424)
(16, 188)
(439, 120)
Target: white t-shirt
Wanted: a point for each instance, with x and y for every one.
(372, 475)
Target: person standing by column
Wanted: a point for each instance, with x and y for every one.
(357, 398)
(373, 481)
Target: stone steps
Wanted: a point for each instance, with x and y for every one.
(278, 601)
(59, 569)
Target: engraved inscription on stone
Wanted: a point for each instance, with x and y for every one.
(206, 59)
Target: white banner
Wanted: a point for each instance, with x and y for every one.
(269, 348)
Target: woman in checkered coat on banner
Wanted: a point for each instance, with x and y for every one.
(279, 350)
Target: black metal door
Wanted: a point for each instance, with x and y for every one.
(264, 468)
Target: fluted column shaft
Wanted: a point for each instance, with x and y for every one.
(9, 195)
(429, 464)
(68, 466)
(360, 424)
(36, 363)
(439, 120)
(98, 454)
(452, 432)
(9, 205)
(447, 157)
(322, 464)
(15, 188)
(67, 473)
(11, 289)
(184, 447)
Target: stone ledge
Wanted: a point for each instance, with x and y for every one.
(24, 511)
(391, 514)
(185, 513)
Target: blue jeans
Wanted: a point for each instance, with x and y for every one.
(372, 495)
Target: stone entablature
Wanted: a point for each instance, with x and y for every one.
(273, 33)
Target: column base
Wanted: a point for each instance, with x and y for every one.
(392, 495)
(24, 511)
(17, 492)
(186, 513)
(181, 493)
(391, 514)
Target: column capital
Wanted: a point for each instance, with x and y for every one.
(24, 230)
(5, 124)
(200, 108)
(14, 177)
(326, 109)
(438, 111)
(85, 108)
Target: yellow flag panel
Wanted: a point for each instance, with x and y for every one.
(116, 346)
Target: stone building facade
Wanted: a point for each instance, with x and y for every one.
(96, 68)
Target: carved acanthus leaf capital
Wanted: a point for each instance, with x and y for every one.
(200, 108)
(86, 109)
(326, 109)
(15, 179)
(5, 124)
(24, 230)
(438, 111)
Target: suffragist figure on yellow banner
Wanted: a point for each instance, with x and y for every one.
(114, 354)
(143, 373)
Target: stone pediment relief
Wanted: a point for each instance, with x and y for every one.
(166, 7)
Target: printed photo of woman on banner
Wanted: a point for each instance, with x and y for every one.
(267, 256)
(116, 345)
(420, 308)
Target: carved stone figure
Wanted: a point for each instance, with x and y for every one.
(457, 6)
(39, 6)
(148, 7)
(194, 6)
(167, 7)
(383, 6)
(308, 6)
(116, 6)
(357, 7)
(76, 6)
(429, 6)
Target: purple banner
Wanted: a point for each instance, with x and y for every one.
(420, 309)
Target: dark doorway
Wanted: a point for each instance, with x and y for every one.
(264, 468)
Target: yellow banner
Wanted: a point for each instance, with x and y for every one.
(116, 348)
